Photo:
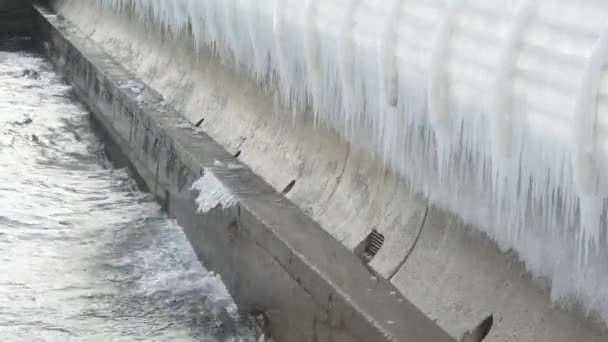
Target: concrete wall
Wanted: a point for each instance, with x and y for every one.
(272, 256)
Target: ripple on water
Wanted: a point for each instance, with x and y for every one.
(84, 255)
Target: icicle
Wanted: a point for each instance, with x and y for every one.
(312, 52)
(502, 110)
(389, 76)
(211, 24)
(438, 83)
(387, 61)
(278, 26)
(195, 8)
(259, 54)
(229, 11)
(587, 175)
(438, 88)
(345, 54)
(586, 155)
(591, 208)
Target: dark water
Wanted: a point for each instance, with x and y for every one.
(84, 255)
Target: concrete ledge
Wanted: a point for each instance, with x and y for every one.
(272, 256)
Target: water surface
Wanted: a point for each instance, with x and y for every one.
(84, 255)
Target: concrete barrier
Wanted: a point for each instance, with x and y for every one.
(273, 257)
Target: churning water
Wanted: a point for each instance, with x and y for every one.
(84, 255)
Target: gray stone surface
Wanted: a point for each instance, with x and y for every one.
(273, 257)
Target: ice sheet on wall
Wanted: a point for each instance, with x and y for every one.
(493, 109)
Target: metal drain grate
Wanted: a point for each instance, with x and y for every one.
(369, 247)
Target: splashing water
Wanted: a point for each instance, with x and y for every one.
(85, 255)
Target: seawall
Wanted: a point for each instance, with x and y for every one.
(272, 256)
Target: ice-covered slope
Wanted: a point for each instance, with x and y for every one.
(495, 110)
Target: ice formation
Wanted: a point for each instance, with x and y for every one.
(212, 193)
(493, 109)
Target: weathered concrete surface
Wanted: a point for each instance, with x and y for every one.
(271, 255)
(456, 275)
(15, 16)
